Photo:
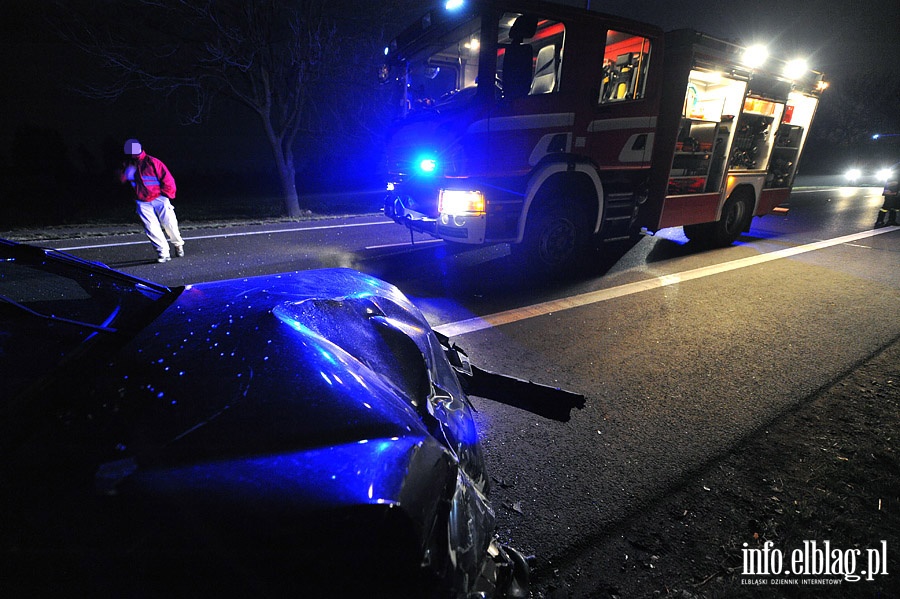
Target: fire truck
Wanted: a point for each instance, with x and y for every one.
(549, 127)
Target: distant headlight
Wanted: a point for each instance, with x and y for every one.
(884, 174)
(853, 174)
(453, 201)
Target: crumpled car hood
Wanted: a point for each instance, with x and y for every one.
(289, 363)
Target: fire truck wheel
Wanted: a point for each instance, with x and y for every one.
(736, 215)
(555, 240)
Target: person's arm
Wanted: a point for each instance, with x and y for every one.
(166, 180)
(126, 173)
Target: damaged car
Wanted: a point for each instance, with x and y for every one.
(303, 434)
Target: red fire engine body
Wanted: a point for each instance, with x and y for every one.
(547, 126)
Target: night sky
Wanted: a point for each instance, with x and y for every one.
(834, 35)
(837, 36)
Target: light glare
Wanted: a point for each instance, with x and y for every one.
(795, 69)
(755, 56)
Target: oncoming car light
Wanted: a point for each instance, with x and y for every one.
(454, 201)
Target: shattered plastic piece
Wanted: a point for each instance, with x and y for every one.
(539, 399)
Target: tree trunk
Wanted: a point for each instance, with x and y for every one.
(288, 183)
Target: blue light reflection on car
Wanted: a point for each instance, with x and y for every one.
(357, 473)
(386, 318)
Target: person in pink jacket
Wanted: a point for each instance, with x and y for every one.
(154, 190)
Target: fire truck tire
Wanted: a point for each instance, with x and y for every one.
(736, 215)
(555, 241)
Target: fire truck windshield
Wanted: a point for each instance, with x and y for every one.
(444, 70)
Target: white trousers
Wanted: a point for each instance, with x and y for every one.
(156, 216)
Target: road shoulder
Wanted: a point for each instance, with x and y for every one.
(825, 472)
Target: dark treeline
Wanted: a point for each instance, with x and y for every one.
(70, 185)
(854, 108)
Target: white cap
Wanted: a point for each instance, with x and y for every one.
(133, 147)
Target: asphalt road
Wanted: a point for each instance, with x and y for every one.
(681, 353)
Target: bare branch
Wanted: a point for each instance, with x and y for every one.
(278, 58)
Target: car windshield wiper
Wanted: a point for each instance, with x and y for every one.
(60, 256)
(107, 271)
(54, 318)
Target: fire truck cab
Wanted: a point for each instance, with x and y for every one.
(547, 126)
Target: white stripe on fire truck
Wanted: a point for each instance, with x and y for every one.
(636, 122)
(525, 121)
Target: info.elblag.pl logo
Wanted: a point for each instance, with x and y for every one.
(814, 563)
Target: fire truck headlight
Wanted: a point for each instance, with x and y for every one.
(795, 69)
(458, 202)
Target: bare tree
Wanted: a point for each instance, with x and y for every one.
(267, 55)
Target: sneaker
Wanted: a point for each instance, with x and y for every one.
(162, 259)
(179, 251)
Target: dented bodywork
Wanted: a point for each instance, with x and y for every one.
(304, 432)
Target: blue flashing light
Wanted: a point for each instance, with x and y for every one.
(427, 165)
(453, 4)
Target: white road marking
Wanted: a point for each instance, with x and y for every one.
(471, 325)
(404, 244)
(224, 235)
